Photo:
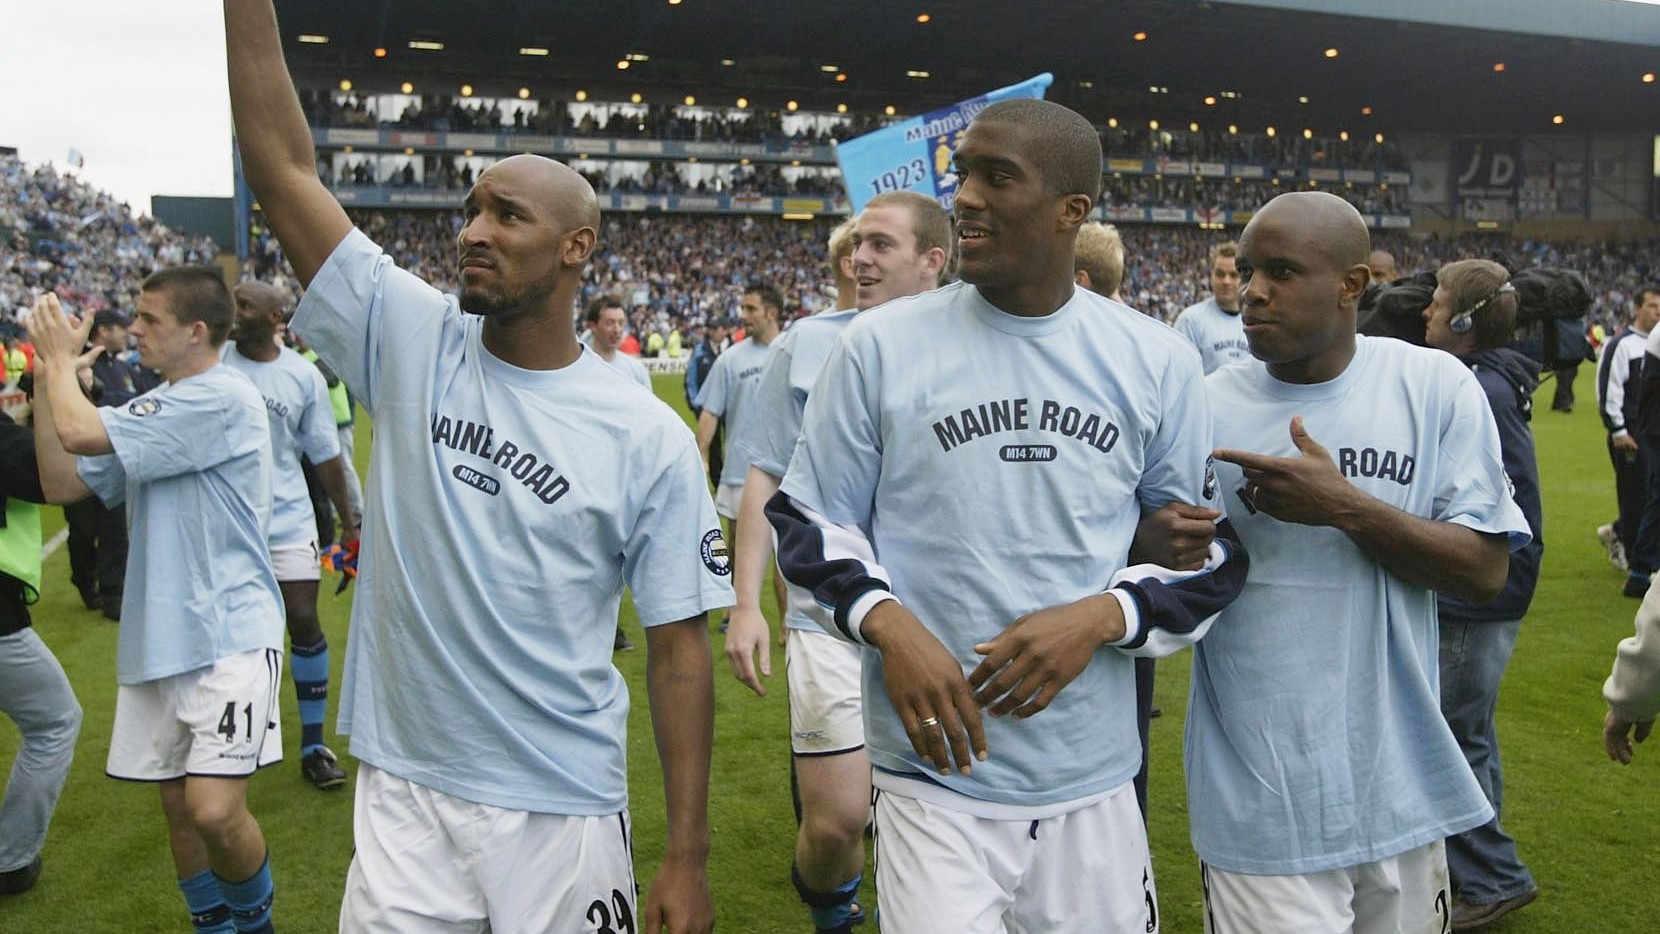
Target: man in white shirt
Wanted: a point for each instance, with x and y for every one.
(199, 657)
(1213, 324)
(606, 322)
(965, 516)
(1364, 475)
(302, 425)
(901, 245)
(518, 484)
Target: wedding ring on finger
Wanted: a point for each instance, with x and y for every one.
(929, 723)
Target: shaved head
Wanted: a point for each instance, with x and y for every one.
(1333, 226)
(1383, 267)
(557, 186)
(530, 225)
(262, 295)
(1302, 261)
(260, 309)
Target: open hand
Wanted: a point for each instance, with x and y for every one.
(927, 689)
(1617, 736)
(58, 338)
(1027, 664)
(749, 647)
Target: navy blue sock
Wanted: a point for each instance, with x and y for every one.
(208, 912)
(250, 900)
(309, 665)
(832, 911)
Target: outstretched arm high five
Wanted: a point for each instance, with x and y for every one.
(278, 158)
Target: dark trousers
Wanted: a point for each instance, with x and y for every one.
(97, 548)
(717, 454)
(321, 508)
(1563, 400)
(1645, 558)
(1631, 490)
(1143, 718)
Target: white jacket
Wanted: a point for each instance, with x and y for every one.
(1633, 689)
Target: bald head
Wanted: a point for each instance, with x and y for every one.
(261, 308)
(1331, 225)
(1302, 260)
(551, 183)
(1382, 264)
(261, 295)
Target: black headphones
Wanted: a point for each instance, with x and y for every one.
(1462, 322)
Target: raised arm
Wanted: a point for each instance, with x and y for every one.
(66, 422)
(278, 158)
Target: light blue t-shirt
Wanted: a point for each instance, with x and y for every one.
(1219, 335)
(302, 422)
(787, 378)
(1002, 473)
(631, 368)
(506, 510)
(727, 394)
(1314, 733)
(192, 462)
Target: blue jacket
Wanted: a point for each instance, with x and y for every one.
(1509, 378)
(697, 371)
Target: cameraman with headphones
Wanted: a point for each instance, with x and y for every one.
(1472, 315)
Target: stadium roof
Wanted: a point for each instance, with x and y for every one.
(1264, 62)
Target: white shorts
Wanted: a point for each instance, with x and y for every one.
(940, 871)
(727, 498)
(1405, 894)
(430, 863)
(827, 708)
(299, 561)
(222, 721)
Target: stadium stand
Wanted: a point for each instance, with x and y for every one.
(59, 233)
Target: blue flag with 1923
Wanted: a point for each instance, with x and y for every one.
(915, 154)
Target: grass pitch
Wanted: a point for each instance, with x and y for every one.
(1585, 825)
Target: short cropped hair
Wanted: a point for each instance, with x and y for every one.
(1067, 150)
(1099, 251)
(1471, 281)
(930, 224)
(1647, 290)
(600, 304)
(1229, 249)
(196, 293)
(841, 244)
(770, 296)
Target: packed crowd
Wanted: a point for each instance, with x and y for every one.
(454, 173)
(686, 269)
(1143, 142)
(330, 108)
(58, 233)
(1150, 191)
(665, 268)
(443, 113)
